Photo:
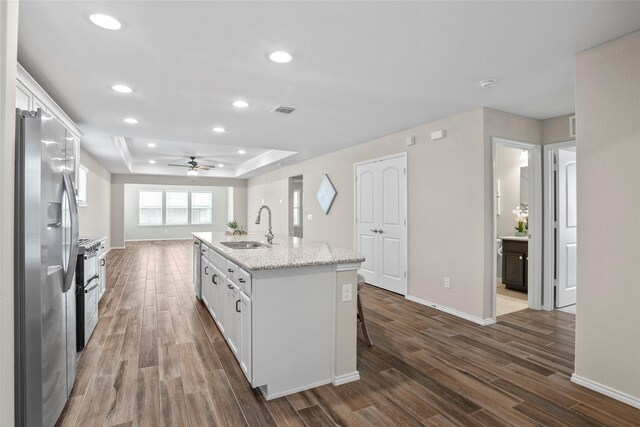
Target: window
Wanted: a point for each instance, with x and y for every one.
(177, 207)
(150, 208)
(201, 208)
(296, 208)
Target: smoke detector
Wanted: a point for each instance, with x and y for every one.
(282, 109)
(487, 83)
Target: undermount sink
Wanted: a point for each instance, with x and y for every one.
(244, 245)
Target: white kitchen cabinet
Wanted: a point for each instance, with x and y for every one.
(102, 260)
(233, 317)
(206, 281)
(245, 335)
(23, 97)
(220, 291)
(31, 96)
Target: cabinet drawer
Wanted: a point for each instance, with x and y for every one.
(231, 270)
(218, 260)
(244, 281)
(239, 276)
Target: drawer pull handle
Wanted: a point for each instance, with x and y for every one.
(241, 280)
(213, 278)
(237, 307)
(230, 286)
(205, 270)
(229, 270)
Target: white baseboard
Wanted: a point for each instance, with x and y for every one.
(346, 378)
(607, 391)
(291, 391)
(479, 321)
(116, 247)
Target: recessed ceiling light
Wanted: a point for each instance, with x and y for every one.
(280, 57)
(220, 165)
(241, 151)
(105, 21)
(487, 83)
(122, 88)
(219, 130)
(240, 104)
(153, 162)
(151, 144)
(131, 120)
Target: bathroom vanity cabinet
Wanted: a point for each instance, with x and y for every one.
(514, 263)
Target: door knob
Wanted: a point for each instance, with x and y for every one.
(373, 230)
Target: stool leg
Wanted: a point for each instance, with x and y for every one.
(364, 323)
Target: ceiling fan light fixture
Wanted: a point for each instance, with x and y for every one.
(105, 21)
(281, 57)
(192, 172)
(122, 88)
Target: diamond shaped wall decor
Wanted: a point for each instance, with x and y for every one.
(326, 194)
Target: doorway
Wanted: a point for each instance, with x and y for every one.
(381, 221)
(296, 225)
(561, 232)
(517, 226)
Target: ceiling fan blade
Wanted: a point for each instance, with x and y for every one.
(206, 166)
(180, 166)
(203, 168)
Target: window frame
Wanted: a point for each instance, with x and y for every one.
(165, 206)
(191, 207)
(162, 219)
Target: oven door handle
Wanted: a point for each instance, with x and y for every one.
(96, 277)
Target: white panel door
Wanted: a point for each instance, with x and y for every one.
(391, 225)
(567, 229)
(366, 236)
(381, 221)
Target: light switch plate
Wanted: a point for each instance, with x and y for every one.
(347, 293)
(309, 217)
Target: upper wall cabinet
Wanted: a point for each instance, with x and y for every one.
(31, 96)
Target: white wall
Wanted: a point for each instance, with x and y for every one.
(608, 180)
(95, 218)
(508, 172)
(133, 231)
(117, 197)
(8, 64)
(448, 210)
(556, 129)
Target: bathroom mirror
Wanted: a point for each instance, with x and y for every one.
(524, 185)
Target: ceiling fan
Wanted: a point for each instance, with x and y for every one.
(193, 167)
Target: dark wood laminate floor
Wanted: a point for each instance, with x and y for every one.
(157, 359)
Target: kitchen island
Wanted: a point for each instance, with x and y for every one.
(287, 310)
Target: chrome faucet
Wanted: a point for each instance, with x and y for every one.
(269, 234)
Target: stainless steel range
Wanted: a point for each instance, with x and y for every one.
(88, 282)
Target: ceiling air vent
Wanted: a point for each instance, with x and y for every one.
(284, 110)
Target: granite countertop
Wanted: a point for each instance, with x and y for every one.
(285, 252)
(519, 238)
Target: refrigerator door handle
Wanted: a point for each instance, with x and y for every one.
(73, 216)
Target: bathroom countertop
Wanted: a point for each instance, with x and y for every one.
(284, 252)
(519, 238)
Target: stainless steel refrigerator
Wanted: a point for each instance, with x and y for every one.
(46, 249)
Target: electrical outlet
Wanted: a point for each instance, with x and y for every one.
(346, 292)
(447, 282)
(310, 217)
